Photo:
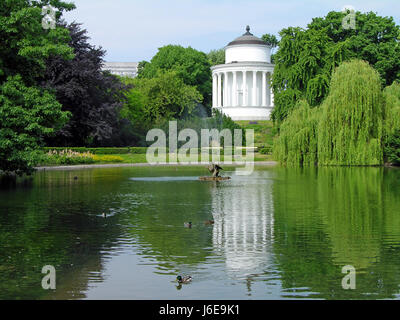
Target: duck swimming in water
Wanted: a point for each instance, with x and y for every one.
(184, 279)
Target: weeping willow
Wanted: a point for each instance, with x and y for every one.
(297, 143)
(392, 108)
(350, 131)
(349, 128)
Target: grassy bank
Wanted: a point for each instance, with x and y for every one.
(263, 135)
(126, 158)
(263, 132)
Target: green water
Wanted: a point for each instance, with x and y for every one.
(278, 234)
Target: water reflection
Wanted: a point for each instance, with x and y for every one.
(279, 233)
(243, 229)
(331, 217)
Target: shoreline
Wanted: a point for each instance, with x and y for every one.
(117, 165)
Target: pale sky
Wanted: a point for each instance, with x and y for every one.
(133, 30)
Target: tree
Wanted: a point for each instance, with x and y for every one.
(160, 98)
(348, 129)
(216, 57)
(392, 123)
(28, 113)
(92, 96)
(351, 126)
(141, 66)
(190, 65)
(272, 42)
(306, 58)
(297, 143)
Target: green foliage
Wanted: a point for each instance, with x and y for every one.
(270, 40)
(219, 121)
(263, 132)
(265, 150)
(190, 65)
(162, 97)
(392, 148)
(306, 57)
(297, 143)
(141, 66)
(392, 108)
(392, 123)
(24, 44)
(216, 57)
(348, 129)
(28, 113)
(302, 69)
(351, 126)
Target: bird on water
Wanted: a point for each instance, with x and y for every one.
(184, 279)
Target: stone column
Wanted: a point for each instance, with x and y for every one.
(219, 98)
(234, 90)
(214, 91)
(264, 89)
(254, 101)
(244, 89)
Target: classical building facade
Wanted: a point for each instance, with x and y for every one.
(124, 69)
(241, 86)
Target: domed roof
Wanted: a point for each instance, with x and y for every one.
(247, 38)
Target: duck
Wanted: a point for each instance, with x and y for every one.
(209, 222)
(104, 215)
(188, 224)
(184, 279)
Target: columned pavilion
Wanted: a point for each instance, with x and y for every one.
(241, 86)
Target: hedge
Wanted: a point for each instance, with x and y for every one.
(136, 150)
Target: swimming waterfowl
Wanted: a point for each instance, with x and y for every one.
(209, 222)
(184, 279)
(188, 224)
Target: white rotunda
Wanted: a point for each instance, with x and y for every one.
(241, 86)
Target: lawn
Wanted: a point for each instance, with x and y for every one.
(263, 131)
(263, 138)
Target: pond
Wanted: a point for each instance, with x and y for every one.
(279, 233)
